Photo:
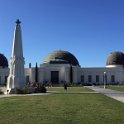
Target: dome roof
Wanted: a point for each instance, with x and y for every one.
(61, 57)
(3, 61)
(115, 58)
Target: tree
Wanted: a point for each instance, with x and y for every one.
(71, 74)
(36, 73)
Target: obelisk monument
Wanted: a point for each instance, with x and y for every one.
(16, 77)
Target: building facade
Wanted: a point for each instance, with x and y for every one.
(62, 66)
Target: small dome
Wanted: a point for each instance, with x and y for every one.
(3, 61)
(115, 58)
(61, 57)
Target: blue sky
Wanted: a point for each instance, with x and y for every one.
(89, 29)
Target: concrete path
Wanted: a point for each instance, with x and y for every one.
(33, 94)
(48, 93)
(108, 92)
(71, 92)
(118, 95)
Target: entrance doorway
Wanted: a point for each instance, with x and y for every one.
(55, 77)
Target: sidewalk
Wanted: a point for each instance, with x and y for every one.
(118, 95)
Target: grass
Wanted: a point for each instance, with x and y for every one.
(70, 89)
(118, 88)
(61, 109)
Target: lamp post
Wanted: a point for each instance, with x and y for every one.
(104, 78)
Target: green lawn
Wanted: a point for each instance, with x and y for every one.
(70, 89)
(61, 109)
(118, 88)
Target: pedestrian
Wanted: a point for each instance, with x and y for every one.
(65, 86)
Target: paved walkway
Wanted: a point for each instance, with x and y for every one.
(48, 93)
(33, 94)
(72, 92)
(118, 95)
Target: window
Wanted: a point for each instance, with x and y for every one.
(6, 79)
(97, 78)
(82, 78)
(89, 78)
(112, 78)
(27, 79)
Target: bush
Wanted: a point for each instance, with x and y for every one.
(40, 89)
(19, 91)
(1, 92)
(22, 91)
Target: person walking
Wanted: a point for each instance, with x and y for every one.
(65, 86)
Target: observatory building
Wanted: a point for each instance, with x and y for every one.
(58, 67)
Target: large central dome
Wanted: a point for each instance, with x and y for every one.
(61, 57)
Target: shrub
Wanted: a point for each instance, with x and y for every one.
(1, 92)
(22, 91)
(40, 89)
(19, 91)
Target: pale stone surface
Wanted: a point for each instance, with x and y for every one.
(16, 77)
(118, 95)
